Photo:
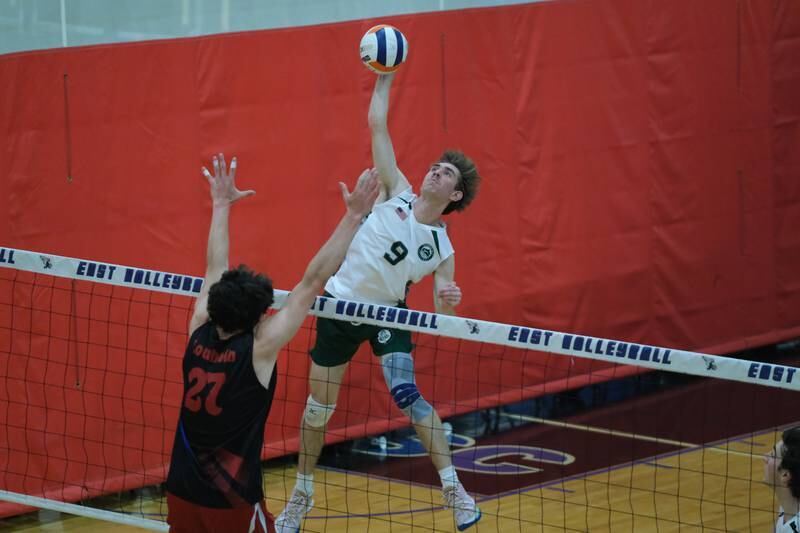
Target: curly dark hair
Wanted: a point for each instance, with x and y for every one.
(790, 460)
(468, 184)
(237, 301)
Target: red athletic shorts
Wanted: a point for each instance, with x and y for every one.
(187, 517)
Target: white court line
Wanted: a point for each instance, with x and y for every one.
(625, 434)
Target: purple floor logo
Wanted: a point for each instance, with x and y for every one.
(412, 447)
(493, 459)
(508, 460)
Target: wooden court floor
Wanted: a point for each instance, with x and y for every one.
(695, 489)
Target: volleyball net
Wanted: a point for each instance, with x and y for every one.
(550, 429)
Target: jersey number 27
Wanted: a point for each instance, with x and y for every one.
(194, 396)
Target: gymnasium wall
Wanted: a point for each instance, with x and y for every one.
(641, 166)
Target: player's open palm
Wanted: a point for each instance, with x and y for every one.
(361, 200)
(223, 184)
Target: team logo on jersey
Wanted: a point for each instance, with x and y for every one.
(384, 335)
(425, 252)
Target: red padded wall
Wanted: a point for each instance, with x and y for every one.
(641, 164)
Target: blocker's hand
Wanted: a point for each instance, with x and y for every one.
(359, 203)
(222, 184)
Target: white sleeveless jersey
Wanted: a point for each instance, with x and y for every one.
(792, 524)
(390, 250)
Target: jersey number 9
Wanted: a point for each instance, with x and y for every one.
(399, 252)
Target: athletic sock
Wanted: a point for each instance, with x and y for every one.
(305, 483)
(448, 476)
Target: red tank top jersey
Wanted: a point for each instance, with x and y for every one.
(216, 455)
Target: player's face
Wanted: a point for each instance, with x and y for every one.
(443, 180)
(772, 461)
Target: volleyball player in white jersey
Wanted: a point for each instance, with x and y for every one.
(403, 240)
(782, 473)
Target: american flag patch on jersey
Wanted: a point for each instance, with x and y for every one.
(402, 214)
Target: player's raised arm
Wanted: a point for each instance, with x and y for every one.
(392, 180)
(273, 334)
(224, 193)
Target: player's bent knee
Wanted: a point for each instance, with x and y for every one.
(411, 402)
(398, 371)
(419, 410)
(317, 414)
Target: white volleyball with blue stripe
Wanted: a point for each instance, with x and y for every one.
(383, 49)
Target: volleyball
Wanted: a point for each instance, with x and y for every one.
(383, 49)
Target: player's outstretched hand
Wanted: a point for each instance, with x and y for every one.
(223, 184)
(361, 200)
